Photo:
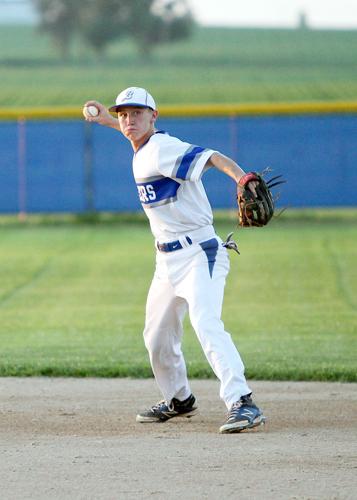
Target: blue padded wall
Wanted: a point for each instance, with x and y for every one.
(71, 166)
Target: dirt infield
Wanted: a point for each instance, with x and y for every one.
(78, 439)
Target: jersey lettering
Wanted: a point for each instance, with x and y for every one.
(158, 191)
(146, 193)
(151, 192)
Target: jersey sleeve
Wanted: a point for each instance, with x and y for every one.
(182, 161)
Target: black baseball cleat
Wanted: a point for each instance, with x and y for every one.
(163, 411)
(244, 414)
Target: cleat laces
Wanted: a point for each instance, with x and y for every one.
(159, 406)
(234, 409)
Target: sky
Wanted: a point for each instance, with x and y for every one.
(341, 14)
(284, 13)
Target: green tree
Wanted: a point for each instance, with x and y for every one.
(154, 22)
(59, 18)
(98, 22)
(102, 21)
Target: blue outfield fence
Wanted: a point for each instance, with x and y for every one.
(72, 166)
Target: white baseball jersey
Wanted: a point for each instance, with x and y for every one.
(167, 173)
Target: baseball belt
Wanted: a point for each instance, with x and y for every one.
(172, 246)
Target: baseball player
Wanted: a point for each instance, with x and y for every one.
(191, 261)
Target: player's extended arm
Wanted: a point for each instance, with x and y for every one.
(231, 168)
(226, 165)
(103, 118)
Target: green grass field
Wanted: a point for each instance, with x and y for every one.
(217, 65)
(72, 298)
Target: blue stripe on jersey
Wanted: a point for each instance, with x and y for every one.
(186, 162)
(157, 191)
(210, 247)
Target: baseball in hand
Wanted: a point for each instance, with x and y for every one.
(90, 111)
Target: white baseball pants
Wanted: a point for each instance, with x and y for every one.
(191, 279)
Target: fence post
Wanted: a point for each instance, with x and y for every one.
(21, 164)
(233, 132)
(88, 168)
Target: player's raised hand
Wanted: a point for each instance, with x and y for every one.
(96, 112)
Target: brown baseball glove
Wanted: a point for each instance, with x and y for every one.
(255, 200)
